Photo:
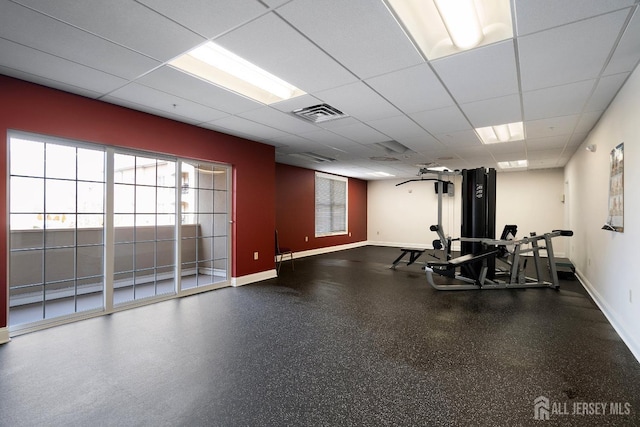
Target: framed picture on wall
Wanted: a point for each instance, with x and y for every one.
(615, 221)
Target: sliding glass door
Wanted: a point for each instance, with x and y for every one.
(56, 222)
(98, 229)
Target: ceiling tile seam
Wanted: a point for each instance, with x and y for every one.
(294, 28)
(632, 10)
(455, 101)
(22, 72)
(160, 63)
(402, 113)
(576, 21)
(88, 32)
(516, 52)
(60, 57)
(110, 93)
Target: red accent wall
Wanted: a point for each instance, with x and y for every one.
(37, 109)
(295, 210)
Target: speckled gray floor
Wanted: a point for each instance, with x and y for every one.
(340, 341)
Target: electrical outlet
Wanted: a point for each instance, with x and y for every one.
(306, 238)
(630, 300)
(255, 256)
(349, 234)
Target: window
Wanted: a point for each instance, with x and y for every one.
(331, 205)
(95, 228)
(56, 225)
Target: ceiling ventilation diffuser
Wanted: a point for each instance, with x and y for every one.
(316, 158)
(319, 113)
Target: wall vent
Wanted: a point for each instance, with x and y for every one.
(319, 113)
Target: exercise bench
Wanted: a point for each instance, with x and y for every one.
(414, 254)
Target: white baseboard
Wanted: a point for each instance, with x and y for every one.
(252, 278)
(4, 335)
(320, 251)
(617, 324)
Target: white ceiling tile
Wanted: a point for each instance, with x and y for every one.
(279, 120)
(507, 148)
(533, 16)
(627, 53)
(40, 32)
(486, 72)
(494, 111)
(326, 137)
(398, 128)
(337, 123)
(360, 132)
(44, 81)
(145, 96)
(360, 34)
(170, 80)
(464, 138)
(300, 146)
(274, 45)
(606, 89)
(71, 74)
(413, 89)
(542, 154)
(577, 139)
(150, 110)
(206, 17)
(549, 143)
(587, 121)
(550, 127)
(240, 126)
(358, 100)
(137, 29)
(296, 103)
(570, 53)
(556, 101)
(443, 120)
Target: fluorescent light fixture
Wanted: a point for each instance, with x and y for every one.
(444, 27)
(514, 164)
(380, 174)
(224, 68)
(462, 22)
(501, 133)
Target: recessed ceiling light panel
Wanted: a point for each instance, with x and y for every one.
(224, 68)
(501, 133)
(513, 164)
(443, 27)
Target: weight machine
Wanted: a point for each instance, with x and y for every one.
(475, 268)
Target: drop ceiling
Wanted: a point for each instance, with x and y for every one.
(565, 63)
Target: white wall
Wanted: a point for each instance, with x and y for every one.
(401, 216)
(606, 261)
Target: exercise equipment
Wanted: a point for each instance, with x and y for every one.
(476, 268)
(498, 250)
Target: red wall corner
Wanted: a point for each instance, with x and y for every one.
(33, 108)
(295, 210)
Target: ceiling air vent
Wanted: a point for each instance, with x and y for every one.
(316, 158)
(319, 113)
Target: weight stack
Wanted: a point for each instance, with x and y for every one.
(478, 216)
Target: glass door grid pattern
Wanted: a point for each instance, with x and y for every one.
(70, 260)
(144, 226)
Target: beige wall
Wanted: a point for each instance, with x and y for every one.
(606, 261)
(401, 216)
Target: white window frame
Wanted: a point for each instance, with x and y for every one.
(108, 244)
(346, 205)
